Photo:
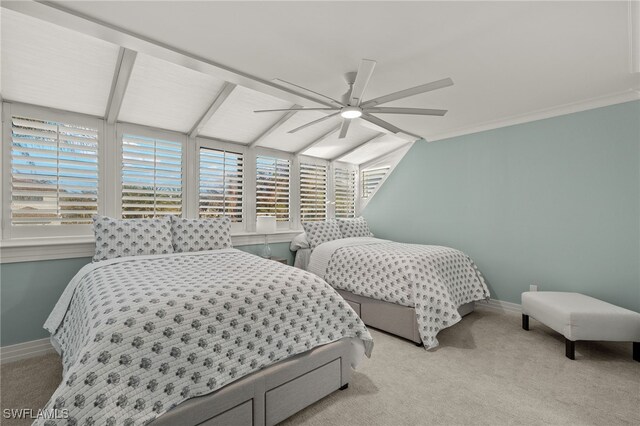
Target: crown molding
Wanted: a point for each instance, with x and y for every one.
(541, 114)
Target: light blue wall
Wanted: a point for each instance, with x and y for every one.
(29, 290)
(554, 202)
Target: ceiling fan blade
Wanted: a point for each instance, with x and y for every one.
(445, 82)
(326, 117)
(415, 111)
(344, 129)
(297, 109)
(333, 101)
(403, 134)
(365, 70)
(381, 123)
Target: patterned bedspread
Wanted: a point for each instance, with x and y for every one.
(435, 280)
(139, 335)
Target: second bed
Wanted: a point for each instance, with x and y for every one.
(410, 290)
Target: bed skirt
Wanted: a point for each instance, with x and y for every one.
(390, 317)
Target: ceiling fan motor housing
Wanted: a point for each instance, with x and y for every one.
(350, 112)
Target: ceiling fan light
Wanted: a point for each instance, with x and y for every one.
(350, 112)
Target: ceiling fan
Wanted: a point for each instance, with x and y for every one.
(353, 106)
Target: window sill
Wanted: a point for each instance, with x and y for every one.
(35, 249)
(250, 238)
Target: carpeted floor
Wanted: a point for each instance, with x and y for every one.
(487, 370)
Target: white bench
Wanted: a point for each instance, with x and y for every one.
(580, 317)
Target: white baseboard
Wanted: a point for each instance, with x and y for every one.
(499, 305)
(25, 350)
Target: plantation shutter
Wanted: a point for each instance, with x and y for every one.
(371, 179)
(221, 184)
(313, 192)
(151, 177)
(345, 192)
(272, 187)
(54, 172)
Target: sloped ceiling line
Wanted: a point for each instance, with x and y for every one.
(226, 90)
(60, 15)
(320, 139)
(132, 53)
(355, 148)
(282, 120)
(121, 76)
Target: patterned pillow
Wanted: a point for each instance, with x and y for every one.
(321, 232)
(131, 237)
(201, 234)
(356, 227)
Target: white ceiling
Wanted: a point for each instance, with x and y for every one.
(506, 58)
(281, 139)
(373, 149)
(165, 95)
(48, 65)
(235, 120)
(332, 146)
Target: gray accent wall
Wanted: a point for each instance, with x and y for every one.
(29, 291)
(554, 202)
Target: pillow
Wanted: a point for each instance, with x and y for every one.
(356, 227)
(300, 241)
(201, 234)
(131, 237)
(321, 232)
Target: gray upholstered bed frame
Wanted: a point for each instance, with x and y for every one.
(390, 317)
(271, 395)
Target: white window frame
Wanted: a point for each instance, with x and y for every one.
(373, 169)
(293, 181)
(356, 170)
(201, 142)
(42, 244)
(330, 195)
(148, 132)
(40, 232)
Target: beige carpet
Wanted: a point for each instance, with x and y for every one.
(486, 371)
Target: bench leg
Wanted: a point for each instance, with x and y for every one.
(570, 348)
(344, 387)
(636, 351)
(525, 322)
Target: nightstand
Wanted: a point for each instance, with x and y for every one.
(280, 259)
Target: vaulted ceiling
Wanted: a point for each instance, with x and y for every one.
(507, 59)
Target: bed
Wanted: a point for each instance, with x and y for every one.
(210, 337)
(410, 290)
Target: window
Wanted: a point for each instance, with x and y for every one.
(272, 187)
(371, 179)
(54, 172)
(151, 177)
(313, 192)
(221, 184)
(345, 191)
